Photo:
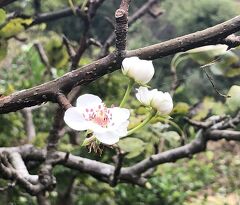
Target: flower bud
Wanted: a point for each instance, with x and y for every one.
(158, 100)
(139, 70)
(162, 102)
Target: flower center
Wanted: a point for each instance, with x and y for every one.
(100, 115)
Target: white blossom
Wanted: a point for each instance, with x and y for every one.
(139, 70)
(158, 100)
(90, 113)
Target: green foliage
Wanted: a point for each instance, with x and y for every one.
(233, 102)
(21, 74)
(2, 16)
(11, 130)
(192, 15)
(181, 108)
(171, 183)
(132, 146)
(56, 52)
(14, 27)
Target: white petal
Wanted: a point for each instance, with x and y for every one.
(150, 73)
(129, 63)
(87, 100)
(141, 71)
(73, 118)
(145, 96)
(144, 72)
(122, 129)
(142, 95)
(119, 115)
(108, 137)
(162, 102)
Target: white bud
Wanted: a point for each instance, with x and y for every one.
(158, 100)
(139, 70)
(145, 96)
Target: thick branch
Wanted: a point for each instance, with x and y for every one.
(138, 14)
(209, 36)
(29, 124)
(47, 92)
(56, 15)
(173, 155)
(127, 174)
(121, 17)
(226, 134)
(6, 2)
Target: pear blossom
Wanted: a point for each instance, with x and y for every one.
(162, 102)
(139, 70)
(90, 113)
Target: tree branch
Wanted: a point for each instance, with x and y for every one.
(29, 124)
(138, 14)
(121, 17)
(47, 92)
(6, 2)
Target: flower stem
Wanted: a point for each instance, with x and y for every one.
(129, 88)
(143, 123)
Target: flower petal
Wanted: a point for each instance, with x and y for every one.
(87, 100)
(74, 119)
(142, 95)
(128, 63)
(162, 102)
(145, 96)
(108, 137)
(144, 72)
(119, 115)
(121, 130)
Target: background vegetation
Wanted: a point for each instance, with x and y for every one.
(208, 178)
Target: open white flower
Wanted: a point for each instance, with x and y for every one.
(107, 124)
(158, 100)
(139, 70)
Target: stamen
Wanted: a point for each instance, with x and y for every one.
(100, 116)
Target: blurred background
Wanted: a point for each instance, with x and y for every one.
(207, 178)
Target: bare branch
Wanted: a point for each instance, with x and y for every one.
(28, 124)
(69, 48)
(63, 101)
(119, 163)
(56, 15)
(138, 14)
(6, 2)
(42, 199)
(226, 134)
(44, 58)
(210, 36)
(121, 17)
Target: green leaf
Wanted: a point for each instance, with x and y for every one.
(56, 53)
(2, 16)
(181, 108)
(233, 102)
(177, 59)
(14, 27)
(233, 72)
(172, 138)
(133, 146)
(206, 54)
(208, 104)
(202, 55)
